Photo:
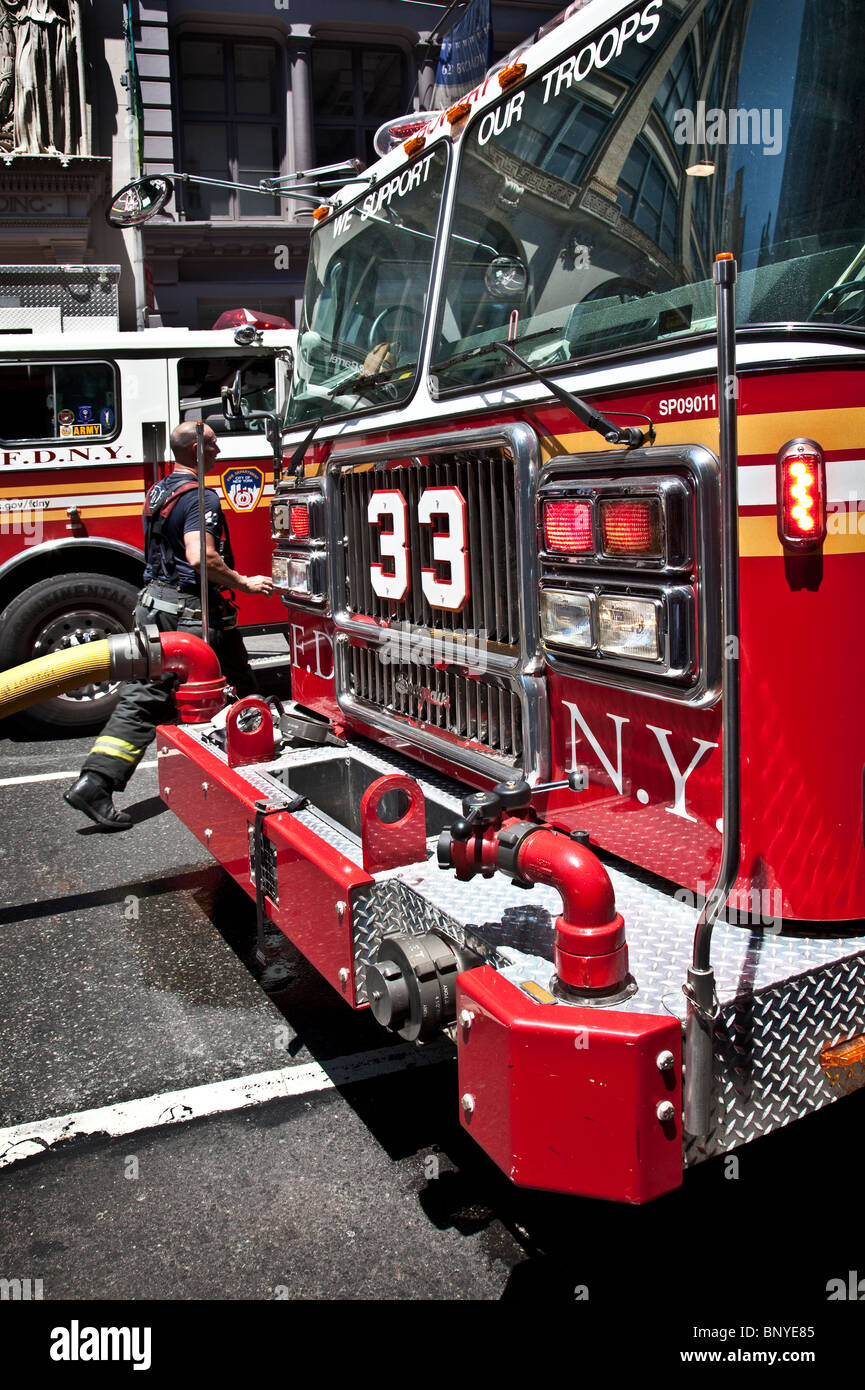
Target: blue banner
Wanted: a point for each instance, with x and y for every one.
(466, 53)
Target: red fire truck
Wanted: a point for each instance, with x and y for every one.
(86, 419)
(569, 543)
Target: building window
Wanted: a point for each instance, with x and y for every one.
(647, 198)
(232, 119)
(563, 146)
(678, 89)
(355, 89)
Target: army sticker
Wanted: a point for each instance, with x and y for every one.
(242, 487)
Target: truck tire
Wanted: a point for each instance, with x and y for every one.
(58, 613)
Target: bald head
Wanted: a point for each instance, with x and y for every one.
(182, 443)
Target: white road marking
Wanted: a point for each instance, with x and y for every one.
(216, 1098)
(53, 776)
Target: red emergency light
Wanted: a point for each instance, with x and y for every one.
(568, 527)
(298, 521)
(801, 478)
(233, 318)
(631, 527)
(402, 130)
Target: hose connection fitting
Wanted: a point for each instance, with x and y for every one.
(591, 953)
(201, 693)
(146, 653)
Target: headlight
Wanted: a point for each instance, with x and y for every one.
(279, 570)
(279, 520)
(628, 627)
(566, 618)
(300, 576)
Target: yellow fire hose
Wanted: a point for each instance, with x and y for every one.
(145, 654)
(54, 674)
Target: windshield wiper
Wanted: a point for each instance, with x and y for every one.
(364, 381)
(629, 435)
(295, 463)
(488, 347)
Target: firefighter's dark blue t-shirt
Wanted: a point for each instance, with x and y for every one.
(182, 519)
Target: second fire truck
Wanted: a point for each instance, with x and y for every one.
(84, 434)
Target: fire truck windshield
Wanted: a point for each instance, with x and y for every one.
(367, 288)
(607, 185)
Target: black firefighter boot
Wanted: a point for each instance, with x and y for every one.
(92, 795)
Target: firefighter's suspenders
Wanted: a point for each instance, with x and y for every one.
(155, 518)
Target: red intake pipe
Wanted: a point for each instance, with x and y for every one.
(591, 953)
(201, 693)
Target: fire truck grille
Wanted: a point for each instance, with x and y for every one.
(482, 711)
(485, 477)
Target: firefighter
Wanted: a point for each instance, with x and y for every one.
(170, 600)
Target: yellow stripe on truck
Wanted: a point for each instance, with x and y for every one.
(758, 434)
(49, 489)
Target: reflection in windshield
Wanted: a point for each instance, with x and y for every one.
(610, 183)
(366, 294)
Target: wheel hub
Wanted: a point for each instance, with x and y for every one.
(74, 629)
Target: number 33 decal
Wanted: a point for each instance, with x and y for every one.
(448, 546)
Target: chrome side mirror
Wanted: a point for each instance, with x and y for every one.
(231, 407)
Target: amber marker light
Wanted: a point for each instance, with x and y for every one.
(319, 214)
(801, 485)
(458, 111)
(414, 145)
(843, 1063)
(511, 75)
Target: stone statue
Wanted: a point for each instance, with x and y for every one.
(46, 94)
(7, 76)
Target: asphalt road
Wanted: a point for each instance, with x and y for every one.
(127, 972)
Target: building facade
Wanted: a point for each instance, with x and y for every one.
(201, 87)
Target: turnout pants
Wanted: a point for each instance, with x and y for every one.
(144, 704)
